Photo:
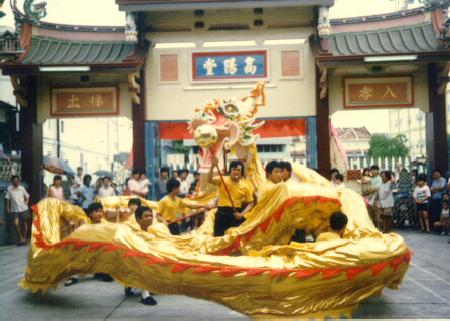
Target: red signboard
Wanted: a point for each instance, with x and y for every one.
(378, 92)
(271, 129)
(69, 102)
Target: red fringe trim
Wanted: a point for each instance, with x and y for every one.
(178, 267)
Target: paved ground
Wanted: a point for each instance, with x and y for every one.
(424, 294)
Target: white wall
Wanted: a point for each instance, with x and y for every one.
(6, 91)
(285, 97)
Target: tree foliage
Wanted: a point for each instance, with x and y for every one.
(383, 146)
(179, 148)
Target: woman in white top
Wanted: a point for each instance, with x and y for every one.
(386, 200)
(56, 189)
(421, 195)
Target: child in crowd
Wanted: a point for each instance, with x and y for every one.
(145, 185)
(444, 218)
(421, 195)
(56, 189)
(338, 223)
(144, 217)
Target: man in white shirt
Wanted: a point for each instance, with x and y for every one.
(17, 199)
(386, 200)
(79, 177)
(134, 184)
(184, 184)
(106, 189)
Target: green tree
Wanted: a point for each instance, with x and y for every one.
(383, 146)
(179, 148)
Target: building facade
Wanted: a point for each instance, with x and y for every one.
(174, 55)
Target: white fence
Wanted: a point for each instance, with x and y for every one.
(385, 163)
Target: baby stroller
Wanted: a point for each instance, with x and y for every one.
(405, 206)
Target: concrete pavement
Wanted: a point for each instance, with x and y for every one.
(425, 293)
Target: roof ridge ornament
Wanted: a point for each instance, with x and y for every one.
(323, 23)
(35, 10)
(130, 28)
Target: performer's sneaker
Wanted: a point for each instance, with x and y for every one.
(129, 291)
(71, 281)
(148, 300)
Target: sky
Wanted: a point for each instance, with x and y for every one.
(87, 12)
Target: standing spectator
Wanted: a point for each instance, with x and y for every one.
(106, 189)
(333, 174)
(134, 184)
(437, 189)
(145, 185)
(398, 169)
(195, 184)
(175, 174)
(161, 183)
(421, 195)
(372, 193)
(184, 184)
(339, 182)
(444, 218)
(66, 186)
(386, 200)
(17, 199)
(79, 177)
(86, 192)
(365, 184)
(56, 189)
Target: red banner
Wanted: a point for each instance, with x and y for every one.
(271, 129)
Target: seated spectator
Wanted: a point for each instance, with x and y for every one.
(338, 223)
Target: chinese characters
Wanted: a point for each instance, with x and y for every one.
(245, 64)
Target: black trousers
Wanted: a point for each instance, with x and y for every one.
(224, 220)
(174, 228)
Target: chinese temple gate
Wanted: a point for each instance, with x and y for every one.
(174, 54)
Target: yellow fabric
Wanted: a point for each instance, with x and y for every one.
(240, 192)
(328, 236)
(265, 188)
(253, 268)
(171, 209)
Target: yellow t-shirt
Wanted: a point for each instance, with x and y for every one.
(240, 192)
(171, 209)
(328, 236)
(264, 188)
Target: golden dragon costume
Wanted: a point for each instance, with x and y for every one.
(253, 268)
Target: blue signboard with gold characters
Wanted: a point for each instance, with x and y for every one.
(229, 65)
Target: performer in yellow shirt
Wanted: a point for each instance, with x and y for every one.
(172, 207)
(286, 171)
(338, 223)
(235, 197)
(273, 175)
